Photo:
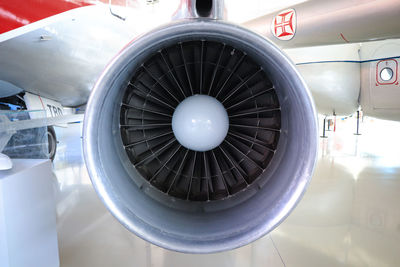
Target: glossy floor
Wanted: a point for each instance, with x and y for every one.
(349, 216)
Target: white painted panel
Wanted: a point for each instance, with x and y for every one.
(380, 98)
(342, 52)
(28, 205)
(380, 49)
(35, 102)
(3, 238)
(385, 94)
(335, 86)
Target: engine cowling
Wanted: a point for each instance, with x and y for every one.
(198, 200)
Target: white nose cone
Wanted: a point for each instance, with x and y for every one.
(200, 123)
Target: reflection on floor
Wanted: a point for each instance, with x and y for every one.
(349, 216)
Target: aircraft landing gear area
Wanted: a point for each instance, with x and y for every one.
(52, 142)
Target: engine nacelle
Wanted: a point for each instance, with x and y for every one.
(192, 200)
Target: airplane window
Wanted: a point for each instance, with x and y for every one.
(386, 74)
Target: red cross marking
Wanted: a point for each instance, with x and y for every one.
(285, 24)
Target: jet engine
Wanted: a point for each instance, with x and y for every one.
(200, 136)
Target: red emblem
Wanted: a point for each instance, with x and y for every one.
(284, 25)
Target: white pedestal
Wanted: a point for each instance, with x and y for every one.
(28, 233)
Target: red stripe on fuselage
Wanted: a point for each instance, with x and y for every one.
(18, 13)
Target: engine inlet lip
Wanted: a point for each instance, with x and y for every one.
(182, 241)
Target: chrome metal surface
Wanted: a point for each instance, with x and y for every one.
(189, 226)
(210, 9)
